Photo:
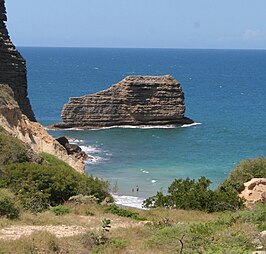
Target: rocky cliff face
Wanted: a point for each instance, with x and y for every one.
(16, 115)
(136, 100)
(13, 67)
(31, 133)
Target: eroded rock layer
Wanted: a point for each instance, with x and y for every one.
(31, 133)
(13, 67)
(136, 100)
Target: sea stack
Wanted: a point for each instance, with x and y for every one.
(136, 101)
(13, 67)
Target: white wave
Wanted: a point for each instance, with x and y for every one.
(144, 171)
(64, 129)
(170, 126)
(90, 149)
(153, 181)
(75, 141)
(129, 201)
(72, 129)
(136, 127)
(190, 125)
(94, 159)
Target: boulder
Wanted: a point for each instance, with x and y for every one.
(62, 141)
(73, 149)
(136, 100)
(255, 191)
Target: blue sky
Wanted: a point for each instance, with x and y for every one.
(138, 23)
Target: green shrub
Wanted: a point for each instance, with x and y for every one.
(245, 171)
(114, 209)
(92, 239)
(256, 215)
(189, 194)
(8, 207)
(60, 210)
(11, 150)
(41, 186)
(118, 243)
(81, 199)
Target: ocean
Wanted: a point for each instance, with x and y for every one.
(225, 93)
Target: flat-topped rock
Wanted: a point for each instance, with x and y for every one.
(136, 100)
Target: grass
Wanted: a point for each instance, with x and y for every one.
(226, 232)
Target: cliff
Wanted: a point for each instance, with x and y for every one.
(30, 133)
(16, 115)
(136, 100)
(13, 67)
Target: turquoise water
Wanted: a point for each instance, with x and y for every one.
(225, 91)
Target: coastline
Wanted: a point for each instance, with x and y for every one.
(128, 201)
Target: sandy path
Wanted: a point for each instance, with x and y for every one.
(15, 232)
(60, 231)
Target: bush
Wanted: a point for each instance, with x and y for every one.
(11, 149)
(114, 209)
(81, 199)
(60, 210)
(50, 184)
(8, 207)
(189, 194)
(91, 239)
(245, 171)
(256, 215)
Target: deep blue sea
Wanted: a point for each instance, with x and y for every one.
(225, 91)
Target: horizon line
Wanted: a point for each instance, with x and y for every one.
(99, 47)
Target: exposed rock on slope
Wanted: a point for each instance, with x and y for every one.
(255, 190)
(136, 100)
(13, 67)
(31, 133)
(73, 149)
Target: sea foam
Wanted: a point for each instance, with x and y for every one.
(129, 201)
(190, 125)
(172, 126)
(90, 149)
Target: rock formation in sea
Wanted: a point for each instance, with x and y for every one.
(13, 67)
(136, 100)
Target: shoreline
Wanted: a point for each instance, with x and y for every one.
(128, 201)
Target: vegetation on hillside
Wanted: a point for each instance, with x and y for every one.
(8, 206)
(39, 186)
(245, 171)
(189, 194)
(11, 149)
